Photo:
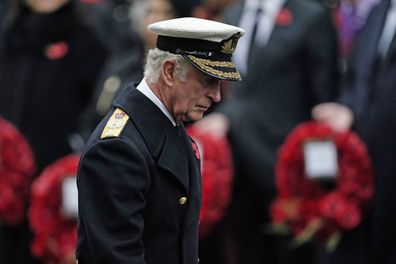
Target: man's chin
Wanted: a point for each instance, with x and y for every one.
(196, 116)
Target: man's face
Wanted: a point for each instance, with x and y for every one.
(156, 10)
(45, 6)
(191, 98)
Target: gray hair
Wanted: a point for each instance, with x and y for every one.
(155, 59)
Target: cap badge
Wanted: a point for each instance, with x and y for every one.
(228, 45)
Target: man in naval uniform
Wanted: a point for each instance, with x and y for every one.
(138, 178)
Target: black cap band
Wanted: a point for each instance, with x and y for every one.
(197, 47)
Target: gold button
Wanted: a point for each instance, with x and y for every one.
(182, 200)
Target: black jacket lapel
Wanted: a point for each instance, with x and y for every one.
(165, 146)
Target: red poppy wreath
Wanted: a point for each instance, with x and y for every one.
(55, 231)
(16, 171)
(307, 207)
(216, 164)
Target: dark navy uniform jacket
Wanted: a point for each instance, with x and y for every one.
(139, 189)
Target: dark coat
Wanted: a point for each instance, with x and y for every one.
(370, 92)
(130, 189)
(286, 78)
(48, 68)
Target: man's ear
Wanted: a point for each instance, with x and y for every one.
(168, 72)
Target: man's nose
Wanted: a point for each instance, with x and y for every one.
(215, 93)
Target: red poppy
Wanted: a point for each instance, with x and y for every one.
(284, 17)
(56, 51)
(196, 151)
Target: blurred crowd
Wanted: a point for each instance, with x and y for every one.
(62, 62)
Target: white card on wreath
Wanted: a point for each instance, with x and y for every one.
(70, 197)
(320, 159)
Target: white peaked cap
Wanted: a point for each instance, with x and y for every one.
(195, 28)
(208, 45)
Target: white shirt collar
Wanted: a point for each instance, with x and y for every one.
(145, 89)
(270, 9)
(268, 6)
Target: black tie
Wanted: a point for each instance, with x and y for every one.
(257, 19)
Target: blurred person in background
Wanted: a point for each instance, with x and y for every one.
(157, 10)
(367, 105)
(49, 63)
(288, 61)
(214, 9)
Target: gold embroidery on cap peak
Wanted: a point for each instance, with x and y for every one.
(115, 125)
(227, 47)
(208, 64)
(230, 44)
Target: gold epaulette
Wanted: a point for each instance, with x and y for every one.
(115, 125)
